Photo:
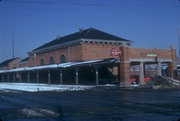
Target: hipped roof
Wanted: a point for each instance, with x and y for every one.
(89, 33)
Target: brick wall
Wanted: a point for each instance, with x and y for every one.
(82, 52)
(91, 51)
(31, 61)
(75, 53)
(55, 54)
(14, 63)
(97, 51)
(71, 54)
(4, 68)
(144, 52)
(23, 65)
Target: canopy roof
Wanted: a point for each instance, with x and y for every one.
(63, 65)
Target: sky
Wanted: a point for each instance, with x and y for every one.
(148, 23)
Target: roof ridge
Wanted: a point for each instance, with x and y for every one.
(109, 34)
(89, 33)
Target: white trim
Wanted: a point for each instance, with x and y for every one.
(78, 42)
(54, 47)
(62, 65)
(152, 48)
(150, 60)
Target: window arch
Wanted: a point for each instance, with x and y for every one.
(41, 61)
(62, 59)
(51, 60)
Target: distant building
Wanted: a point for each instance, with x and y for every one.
(10, 64)
(24, 62)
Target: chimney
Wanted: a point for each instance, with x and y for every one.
(58, 37)
(80, 29)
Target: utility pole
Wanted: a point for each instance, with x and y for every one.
(13, 43)
(179, 38)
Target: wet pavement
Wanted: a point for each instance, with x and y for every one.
(97, 104)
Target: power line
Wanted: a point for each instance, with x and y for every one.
(13, 43)
(33, 2)
(54, 2)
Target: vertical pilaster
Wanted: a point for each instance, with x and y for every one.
(37, 76)
(28, 77)
(119, 77)
(14, 77)
(60, 74)
(3, 78)
(69, 54)
(171, 69)
(77, 75)
(49, 77)
(97, 75)
(8, 78)
(35, 61)
(124, 74)
(172, 66)
(20, 77)
(159, 69)
(124, 67)
(141, 73)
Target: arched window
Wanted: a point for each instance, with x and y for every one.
(51, 60)
(41, 61)
(62, 59)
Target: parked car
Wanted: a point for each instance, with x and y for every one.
(146, 79)
(135, 79)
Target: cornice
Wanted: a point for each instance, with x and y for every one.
(79, 42)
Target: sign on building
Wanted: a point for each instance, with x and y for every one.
(116, 53)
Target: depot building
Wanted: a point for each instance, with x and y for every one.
(88, 56)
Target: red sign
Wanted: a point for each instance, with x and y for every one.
(116, 53)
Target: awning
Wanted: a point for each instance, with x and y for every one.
(64, 65)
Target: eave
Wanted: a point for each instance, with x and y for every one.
(79, 42)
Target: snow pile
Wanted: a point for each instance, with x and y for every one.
(162, 82)
(62, 65)
(31, 87)
(37, 112)
(30, 113)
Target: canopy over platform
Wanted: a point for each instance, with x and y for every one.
(64, 65)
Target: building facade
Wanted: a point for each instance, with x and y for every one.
(10, 64)
(92, 44)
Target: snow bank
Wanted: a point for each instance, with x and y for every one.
(162, 82)
(31, 87)
(37, 112)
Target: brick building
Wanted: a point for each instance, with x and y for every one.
(10, 64)
(88, 46)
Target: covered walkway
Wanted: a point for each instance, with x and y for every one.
(87, 72)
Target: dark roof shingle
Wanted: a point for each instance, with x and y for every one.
(6, 62)
(25, 59)
(90, 33)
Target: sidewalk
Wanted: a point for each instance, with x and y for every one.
(32, 87)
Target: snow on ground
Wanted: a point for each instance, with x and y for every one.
(31, 87)
(37, 112)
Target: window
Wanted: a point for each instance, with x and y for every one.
(51, 60)
(41, 61)
(62, 59)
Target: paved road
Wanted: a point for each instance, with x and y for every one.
(101, 104)
(25, 106)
